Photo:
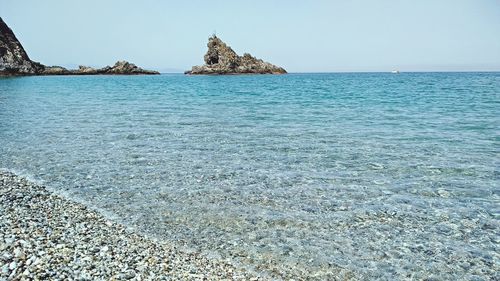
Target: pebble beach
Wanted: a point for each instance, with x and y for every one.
(44, 236)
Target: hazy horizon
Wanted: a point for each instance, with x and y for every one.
(327, 36)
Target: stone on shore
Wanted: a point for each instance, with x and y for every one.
(221, 59)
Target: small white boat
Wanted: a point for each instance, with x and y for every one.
(395, 72)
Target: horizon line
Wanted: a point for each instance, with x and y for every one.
(361, 71)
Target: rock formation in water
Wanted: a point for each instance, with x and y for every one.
(15, 61)
(221, 59)
(120, 68)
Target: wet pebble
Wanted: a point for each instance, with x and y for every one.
(47, 237)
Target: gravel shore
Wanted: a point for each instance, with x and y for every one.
(44, 236)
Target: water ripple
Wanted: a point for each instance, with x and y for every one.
(368, 175)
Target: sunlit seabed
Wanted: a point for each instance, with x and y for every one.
(368, 175)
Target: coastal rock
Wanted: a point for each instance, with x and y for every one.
(221, 59)
(13, 58)
(120, 68)
(86, 69)
(54, 70)
(15, 61)
(124, 67)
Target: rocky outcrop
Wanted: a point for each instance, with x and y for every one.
(221, 59)
(123, 67)
(15, 61)
(120, 68)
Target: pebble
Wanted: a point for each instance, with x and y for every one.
(48, 237)
(18, 253)
(13, 265)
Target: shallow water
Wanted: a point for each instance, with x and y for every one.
(370, 175)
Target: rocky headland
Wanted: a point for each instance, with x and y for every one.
(221, 59)
(15, 61)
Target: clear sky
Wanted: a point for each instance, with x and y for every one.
(302, 36)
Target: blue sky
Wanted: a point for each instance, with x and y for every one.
(302, 36)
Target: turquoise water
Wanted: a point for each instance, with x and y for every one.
(364, 175)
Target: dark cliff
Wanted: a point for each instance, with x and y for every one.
(13, 57)
(15, 61)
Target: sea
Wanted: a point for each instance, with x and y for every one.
(324, 175)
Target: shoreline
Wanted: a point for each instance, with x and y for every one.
(44, 235)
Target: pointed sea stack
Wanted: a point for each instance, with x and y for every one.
(221, 59)
(15, 61)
